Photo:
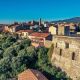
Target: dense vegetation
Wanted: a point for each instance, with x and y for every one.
(18, 55)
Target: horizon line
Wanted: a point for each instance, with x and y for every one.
(10, 21)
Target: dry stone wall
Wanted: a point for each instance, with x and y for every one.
(66, 55)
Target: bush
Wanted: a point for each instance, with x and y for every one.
(10, 52)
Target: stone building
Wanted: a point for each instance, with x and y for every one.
(72, 28)
(24, 33)
(66, 55)
(53, 30)
(39, 39)
(63, 30)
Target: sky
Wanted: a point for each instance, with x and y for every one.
(25, 10)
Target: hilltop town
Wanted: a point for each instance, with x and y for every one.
(37, 40)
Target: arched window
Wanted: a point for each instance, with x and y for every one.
(73, 56)
(60, 52)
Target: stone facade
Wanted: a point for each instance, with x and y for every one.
(63, 30)
(53, 30)
(48, 43)
(66, 55)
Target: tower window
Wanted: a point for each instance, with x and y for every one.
(56, 45)
(73, 56)
(67, 45)
(60, 52)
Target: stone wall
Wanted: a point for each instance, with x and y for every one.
(66, 55)
(47, 43)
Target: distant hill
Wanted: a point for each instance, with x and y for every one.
(75, 19)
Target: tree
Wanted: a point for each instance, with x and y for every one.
(17, 65)
(26, 42)
(6, 45)
(3, 77)
(10, 52)
(18, 47)
(31, 51)
(42, 56)
(1, 53)
(22, 53)
(61, 75)
(31, 56)
(10, 39)
(5, 68)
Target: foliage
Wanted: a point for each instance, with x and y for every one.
(1, 53)
(26, 42)
(10, 52)
(17, 65)
(6, 45)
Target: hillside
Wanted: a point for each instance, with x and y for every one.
(75, 19)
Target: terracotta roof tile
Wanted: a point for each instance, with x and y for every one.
(36, 34)
(31, 74)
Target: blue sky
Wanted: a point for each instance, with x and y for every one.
(24, 10)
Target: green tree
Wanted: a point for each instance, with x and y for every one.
(26, 42)
(18, 47)
(10, 39)
(1, 53)
(31, 52)
(61, 75)
(6, 45)
(10, 52)
(31, 56)
(5, 68)
(42, 56)
(17, 65)
(3, 77)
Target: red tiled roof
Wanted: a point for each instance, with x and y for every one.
(36, 34)
(30, 31)
(31, 74)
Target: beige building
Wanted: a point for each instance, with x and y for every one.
(72, 27)
(66, 55)
(7, 29)
(53, 30)
(38, 39)
(10, 28)
(24, 33)
(63, 30)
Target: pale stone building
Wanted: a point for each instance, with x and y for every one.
(53, 30)
(66, 55)
(24, 33)
(39, 39)
(63, 30)
(72, 28)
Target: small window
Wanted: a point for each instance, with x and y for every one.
(56, 45)
(73, 56)
(67, 45)
(60, 52)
